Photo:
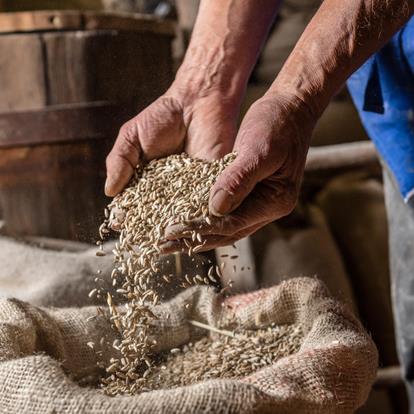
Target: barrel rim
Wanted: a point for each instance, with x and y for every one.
(59, 20)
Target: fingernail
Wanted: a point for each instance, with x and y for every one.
(111, 185)
(108, 187)
(221, 202)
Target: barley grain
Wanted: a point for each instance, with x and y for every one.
(237, 356)
(163, 192)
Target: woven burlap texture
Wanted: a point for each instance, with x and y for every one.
(62, 275)
(44, 356)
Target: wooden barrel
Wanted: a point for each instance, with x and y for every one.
(68, 81)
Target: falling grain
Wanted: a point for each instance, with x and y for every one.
(158, 196)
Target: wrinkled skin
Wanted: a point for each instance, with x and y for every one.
(203, 129)
(263, 183)
(268, 168)
(198, 114)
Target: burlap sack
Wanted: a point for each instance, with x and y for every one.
(354, 207)
(306, 248)
(48, 277)
(44, 357)
(62, 273)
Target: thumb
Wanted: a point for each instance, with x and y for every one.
(122, 160)
(234, 184)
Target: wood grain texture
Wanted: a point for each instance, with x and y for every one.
(29, 21)
(51, 171)
(106, 65)
(22, 81)
(63, 123)
(53, 190)
(22, 5)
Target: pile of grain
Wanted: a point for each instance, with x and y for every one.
(225, 357)
(164, 192)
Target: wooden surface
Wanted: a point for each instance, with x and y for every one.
(82, 20)
(63, 123)
(53, 190)
(22, 5)
(64, 96)
(52, 68)
(22, 80)
(389, 377)
(342, 156)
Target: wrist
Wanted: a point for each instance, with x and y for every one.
(209, 71)
(224, 47)
(339, 38)
(303, 93)
(301, 108)
(196, 81)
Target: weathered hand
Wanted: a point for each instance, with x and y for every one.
(262, 184)
(200, 123)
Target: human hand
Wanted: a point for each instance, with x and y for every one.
(199, 113)
(200, 122)
(262, 184)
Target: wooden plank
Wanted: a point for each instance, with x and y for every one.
(107, 65)
(94, 66)
(22, 81)
(47, 185)
(30, 21)
(40, 20)
(63, 123)
(129, 22)
(54, 190)
(389, 377)
(349, 155)
(24, 5)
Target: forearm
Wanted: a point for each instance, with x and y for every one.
(340, 37)
(225, 44)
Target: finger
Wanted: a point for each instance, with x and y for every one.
(173, 246)
(155, 132)
(210, 242)
(122, 160)
(259, 155)
(270, 200)
(232, 186)
(236, 182)
(215, 225)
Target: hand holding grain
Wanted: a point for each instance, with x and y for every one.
(263, 183)
(202, 126)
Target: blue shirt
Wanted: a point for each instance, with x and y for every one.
(383, 93)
